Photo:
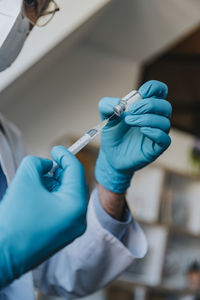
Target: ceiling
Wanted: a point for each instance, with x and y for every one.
(141, 29)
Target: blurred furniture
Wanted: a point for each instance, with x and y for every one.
(167, 205)
(193, 276)
(179, 68)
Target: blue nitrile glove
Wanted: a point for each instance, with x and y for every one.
(136, 139)
(36, 223)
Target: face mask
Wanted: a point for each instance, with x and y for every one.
(14, 42)
(9, 11)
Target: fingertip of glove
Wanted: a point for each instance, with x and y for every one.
(153, 88)
(57, 147)
(58, 153)
(106, 104)
(60, 150)
(64, 158)
(31, 159)
(169, 141)
(129, 119)
(41, 165)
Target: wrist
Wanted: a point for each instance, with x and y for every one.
(116, 181)
(113, 203)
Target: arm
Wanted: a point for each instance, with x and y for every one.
(89, 263)
(112, 203)
(111, 243)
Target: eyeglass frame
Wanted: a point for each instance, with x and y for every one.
(57, 8)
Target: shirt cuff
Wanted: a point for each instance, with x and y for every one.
(115, 227)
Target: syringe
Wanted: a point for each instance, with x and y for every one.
(84, 140)
(88, 137)
(123, 106)
(126, 101)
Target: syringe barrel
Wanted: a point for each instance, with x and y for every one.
(126, 101)
(80, 144)
(74, 149)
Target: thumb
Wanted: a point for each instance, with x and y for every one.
(73, 172)
(35, 165)
(153, 88)
(106, 107)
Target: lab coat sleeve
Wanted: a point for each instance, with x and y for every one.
(115, 227)
(92, 260)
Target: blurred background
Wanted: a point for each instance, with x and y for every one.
(98, 48)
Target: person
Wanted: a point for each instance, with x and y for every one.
(40, 214)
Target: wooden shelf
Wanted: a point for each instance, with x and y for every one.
(187, 175)
(168, 245)
(160, 288)
(171, 228)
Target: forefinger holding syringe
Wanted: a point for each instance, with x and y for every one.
(123, 106)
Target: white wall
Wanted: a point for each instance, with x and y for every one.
(60, 94)
(63, 99)
(177, 157)
(72, 15)
(140, 29)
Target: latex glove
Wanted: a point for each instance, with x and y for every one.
(35, 223)
(136, 139)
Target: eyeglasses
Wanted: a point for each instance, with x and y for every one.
(39, 12)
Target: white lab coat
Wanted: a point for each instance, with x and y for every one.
(90, 262)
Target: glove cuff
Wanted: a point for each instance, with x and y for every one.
(6, 267)
(113, 180)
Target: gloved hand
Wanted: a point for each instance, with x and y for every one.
(36, 223)
(136, 139)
